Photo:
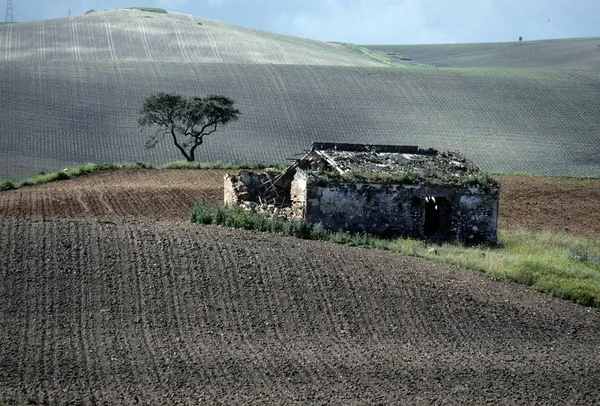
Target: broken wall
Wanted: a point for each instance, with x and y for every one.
(257, 187)
(244, 186)
(463, 213)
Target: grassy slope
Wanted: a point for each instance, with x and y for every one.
(62, 108)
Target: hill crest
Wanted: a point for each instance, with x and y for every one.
(128, 35)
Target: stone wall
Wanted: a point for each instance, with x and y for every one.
(244, 186)
(468, 214)
(248, 186)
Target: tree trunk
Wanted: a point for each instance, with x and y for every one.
(193, 150)
(185, 154)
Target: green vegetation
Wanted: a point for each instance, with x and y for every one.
(557, 264)
(411, 177)
(71, 172)
(90, 11)
(185, 120)
(149, 9)
(208, 165)
(373, 55)
(513, 173)
(6, 185)
(239, 217)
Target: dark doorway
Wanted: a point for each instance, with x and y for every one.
(433, 206)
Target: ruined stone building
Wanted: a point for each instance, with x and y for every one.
(379, 189)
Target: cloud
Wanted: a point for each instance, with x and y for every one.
(172, 4)
(364, 22)
(414, 21)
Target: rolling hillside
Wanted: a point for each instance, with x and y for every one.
(75, 86)
(577, 53)
(135, 35)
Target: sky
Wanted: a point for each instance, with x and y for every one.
(367, 21)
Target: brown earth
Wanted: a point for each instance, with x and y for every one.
(109, 296)
(570, 205)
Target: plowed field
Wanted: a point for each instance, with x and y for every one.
(100, 303)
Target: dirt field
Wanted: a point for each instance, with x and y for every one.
(103, 303)
(544, 203)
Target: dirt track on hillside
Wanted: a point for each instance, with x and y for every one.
(110, 306)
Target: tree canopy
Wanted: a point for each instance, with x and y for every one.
(187, 120)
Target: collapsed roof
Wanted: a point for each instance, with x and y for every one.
(392, 164)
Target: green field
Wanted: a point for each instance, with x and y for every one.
(76, 85)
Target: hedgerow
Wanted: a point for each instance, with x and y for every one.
(149, 9)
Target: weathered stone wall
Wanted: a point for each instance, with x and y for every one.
(477, 216)
(298, 194)
(468, 214)
(244, 186)
(248, 186)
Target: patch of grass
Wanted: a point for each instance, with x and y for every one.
(90, 11)
(70, 172)
(513, 173)
(6, 185)
(412, 177)
(239, 217)
(560, 265)
(208, 165)
(149, 9)
(373, 55)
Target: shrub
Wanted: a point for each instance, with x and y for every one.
(149, 9)
(6, 185)
(240, 217)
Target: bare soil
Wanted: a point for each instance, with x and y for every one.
(146, 193)
(109, 296)
(568, 205)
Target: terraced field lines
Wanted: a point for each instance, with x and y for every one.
(84, 340)
(180, 41)
(284, 55)
(111, 45)
(75, 36)
(251, 51)
(293, 120)
(229, 303)
(244, 285)
(144, 35)
(8, 28)
(139, 263)
(41, 41)
(212, 43)
(9, 354)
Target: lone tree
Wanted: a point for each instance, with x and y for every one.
(186, 119)
(520, 38)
